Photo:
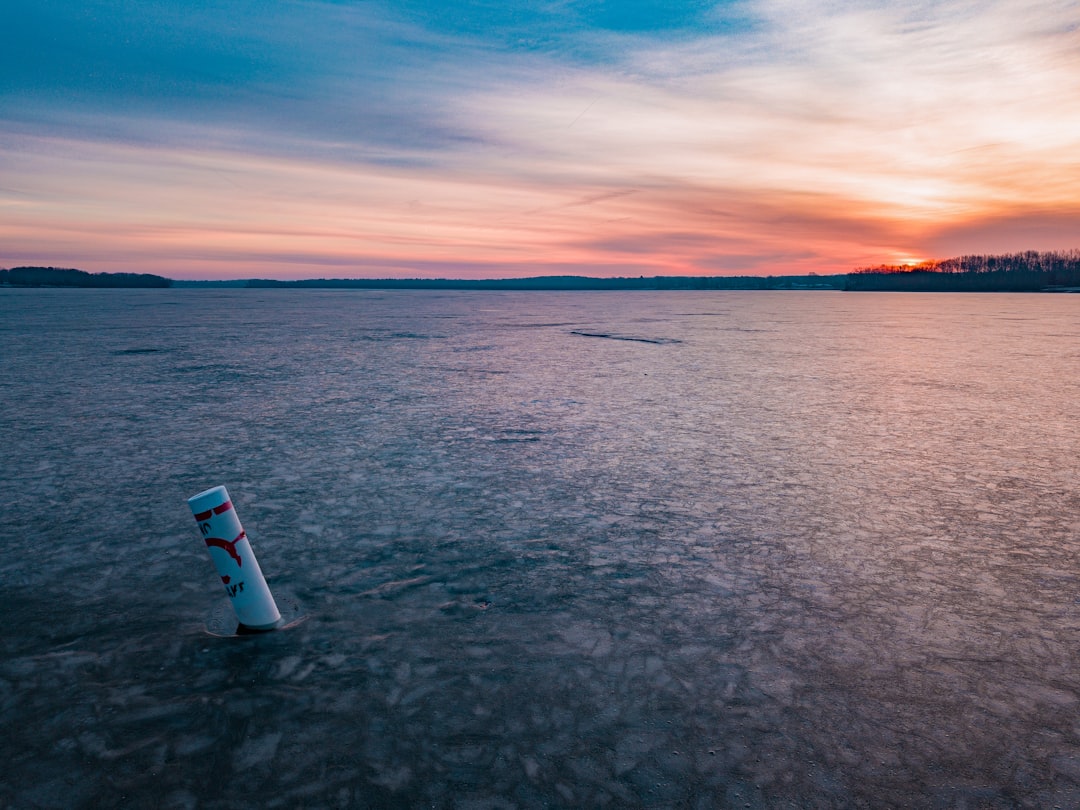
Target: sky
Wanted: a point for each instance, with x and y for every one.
(512, 138)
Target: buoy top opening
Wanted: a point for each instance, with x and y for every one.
(208, 499)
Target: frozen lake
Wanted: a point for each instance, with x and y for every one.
(688, 550)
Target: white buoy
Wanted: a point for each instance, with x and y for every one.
(235, 561)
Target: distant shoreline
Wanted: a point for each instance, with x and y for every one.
(570, 283)
(1030, 271)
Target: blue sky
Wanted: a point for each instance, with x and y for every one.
(485, 139)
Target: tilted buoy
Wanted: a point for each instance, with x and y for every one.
(235, 561)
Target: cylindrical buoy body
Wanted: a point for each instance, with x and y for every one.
(235, 561)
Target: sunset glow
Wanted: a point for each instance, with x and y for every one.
(388, 140)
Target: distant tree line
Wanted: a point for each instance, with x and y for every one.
(567, 283)
(1029, 271)
(67, 277)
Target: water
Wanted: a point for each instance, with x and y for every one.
(553, 549)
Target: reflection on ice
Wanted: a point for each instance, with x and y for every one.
(778, 559)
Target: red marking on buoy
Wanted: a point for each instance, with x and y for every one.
(217, 510)
(228, 545)
(226, 579)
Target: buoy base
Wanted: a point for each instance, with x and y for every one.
(222, 621)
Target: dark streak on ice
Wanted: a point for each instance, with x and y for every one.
(611, 336)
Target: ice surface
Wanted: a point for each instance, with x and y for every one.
(813, 550)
